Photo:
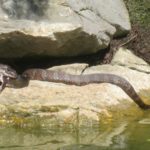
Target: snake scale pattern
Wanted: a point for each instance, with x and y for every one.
(7, 73)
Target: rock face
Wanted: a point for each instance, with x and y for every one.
(64, 103)
(59, 27)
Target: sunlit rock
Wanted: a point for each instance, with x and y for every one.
(86, 104)
(59, 27)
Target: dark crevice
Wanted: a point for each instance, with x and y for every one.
(46, 62)
(139, 45)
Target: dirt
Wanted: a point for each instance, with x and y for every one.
(138, 41)
(141, 44)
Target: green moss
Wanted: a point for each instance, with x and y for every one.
(139, 11)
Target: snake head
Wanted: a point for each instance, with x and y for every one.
(6, 74)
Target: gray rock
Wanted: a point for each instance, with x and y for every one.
(59, 27)
(63, 103)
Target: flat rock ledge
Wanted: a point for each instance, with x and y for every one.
(90, 104)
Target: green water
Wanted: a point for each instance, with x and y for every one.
(117, 135)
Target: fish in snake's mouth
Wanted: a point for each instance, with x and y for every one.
(6, 74)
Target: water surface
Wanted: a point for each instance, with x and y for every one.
(117, 135)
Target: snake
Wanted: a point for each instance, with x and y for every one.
(7, 74)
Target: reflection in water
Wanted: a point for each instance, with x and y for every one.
(145, 121)
(81, 147)
(124, 136)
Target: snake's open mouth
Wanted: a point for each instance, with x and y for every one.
(5, 80)
(1, 83)
(6, 74)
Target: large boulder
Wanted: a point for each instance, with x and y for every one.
(90, 103)
(59, 27)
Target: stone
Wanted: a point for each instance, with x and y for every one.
(59, 27)
(63, 103)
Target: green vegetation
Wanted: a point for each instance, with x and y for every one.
(139, 11)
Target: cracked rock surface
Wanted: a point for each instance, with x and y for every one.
(59, 27)
(62, 102)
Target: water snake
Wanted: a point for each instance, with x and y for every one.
(79, 80)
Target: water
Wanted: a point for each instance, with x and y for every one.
(113, 135)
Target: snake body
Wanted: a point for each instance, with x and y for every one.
(9, 75)
(80, 80)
